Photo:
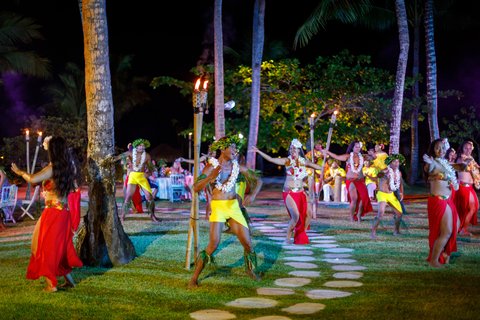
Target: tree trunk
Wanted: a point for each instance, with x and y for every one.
(414, 158)
(400, 77)
(257, 54)
(432, 104)
(219, 89)
(105, 242)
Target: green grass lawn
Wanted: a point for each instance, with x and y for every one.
(397, 284)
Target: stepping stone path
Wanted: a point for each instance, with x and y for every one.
(306, 261)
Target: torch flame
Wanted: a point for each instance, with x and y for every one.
(205, 85)
(40, 133)
(197, 84)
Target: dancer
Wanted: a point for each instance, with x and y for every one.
(293, 192)
(443, 219)
(136, 177)
(389, 181)
(53, 253)
(357, 190)
(222, 173)
(465, 198)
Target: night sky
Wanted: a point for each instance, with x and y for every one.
(169, 38)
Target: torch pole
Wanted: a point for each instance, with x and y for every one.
(329, 138)
(312, 151)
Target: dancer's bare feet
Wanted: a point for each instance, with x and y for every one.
(373, 235)
(435, 264)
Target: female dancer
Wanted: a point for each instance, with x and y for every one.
(442, 215)
(466, 199)
(53, 254)
(357, 190)
(293, 192)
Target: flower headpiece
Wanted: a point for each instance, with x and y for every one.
(140, 141)
(446, 144)
(46, 141)
(395, 156)
(297, 144)
(225, 142)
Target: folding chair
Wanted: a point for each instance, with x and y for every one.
(29, 203)
(177, 187)
(9, 202)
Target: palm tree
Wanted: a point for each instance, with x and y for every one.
(106, 242)
(400, 78)
(17, 33)
(257, 53)
(219, 83)
(431, 72)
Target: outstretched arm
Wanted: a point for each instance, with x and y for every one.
(44, 174)
(279, 161)
(254, 183)
(341, 157)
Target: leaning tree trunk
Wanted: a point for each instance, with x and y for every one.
(257, 54)
(414, 159)
(218, 55)
(400, 77)
(432, 103)
(105, 242)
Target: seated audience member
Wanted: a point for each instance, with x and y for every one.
(332, 174)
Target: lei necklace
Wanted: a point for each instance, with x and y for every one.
(352, 163)
(449, 171)
(134, 160)
(297, 168)
(232, 180)
(394, 179)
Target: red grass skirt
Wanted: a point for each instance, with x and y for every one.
(462, 197)
(300, 236)
(436, 209)
(55, 255)
(362, 195)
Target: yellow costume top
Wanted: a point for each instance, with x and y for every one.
(370, 171)
(379, 162)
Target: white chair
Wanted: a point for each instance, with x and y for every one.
(177, 187)
(28, 203)
(9, 202)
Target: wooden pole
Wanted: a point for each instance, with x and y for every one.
(199, 104)
(312, 150)
(329, 138)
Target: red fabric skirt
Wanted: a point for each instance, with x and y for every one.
(55, 254)
(362, 195)
(436, 209)
(300, 236)
(462, 197)
(136, 198)
(74, 208)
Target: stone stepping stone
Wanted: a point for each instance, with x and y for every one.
(273, 231)
(327, 294)
(348, 268)
(292, 282)
(281, 225)
(324, 245)
(325, 237)
(275, 291)
(323, 241)
(340, 261)
(338, 250)
(265, 228)
(342, 284)
(336, 255)
(348, 275)
(252, 303)
(277, 238)
(304, 308)
(299, 258)
(256, 224)
(315, 237)
(293, 247)
(302, 265)
(212, 314)
(300, 252)
(272, 318)
(305, 273)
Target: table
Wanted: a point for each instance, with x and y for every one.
(164, 186)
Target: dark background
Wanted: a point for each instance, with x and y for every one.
(170, 37)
